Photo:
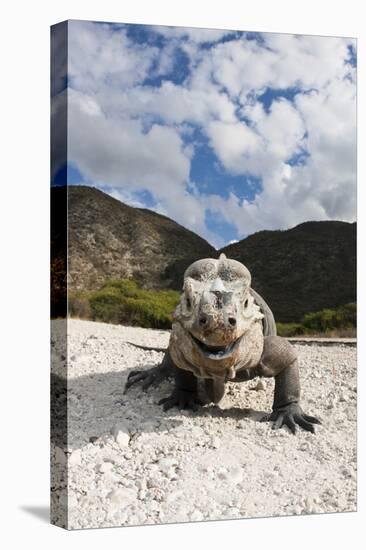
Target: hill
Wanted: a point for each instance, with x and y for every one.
(304, 269)
(111, 240)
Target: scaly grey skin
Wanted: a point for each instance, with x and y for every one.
(223, 330)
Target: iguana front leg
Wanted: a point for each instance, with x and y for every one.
(185, 393)
(153, 376)
(279, 360)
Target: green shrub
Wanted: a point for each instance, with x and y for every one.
(290, 329)
(122, 301)
(343, 317)
(339, 322)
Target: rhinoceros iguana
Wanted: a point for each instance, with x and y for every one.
(223, 330)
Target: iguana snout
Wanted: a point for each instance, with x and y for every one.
(217, 315)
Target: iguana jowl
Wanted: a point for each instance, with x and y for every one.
(223, 330)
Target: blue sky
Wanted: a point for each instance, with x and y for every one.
(225, 132)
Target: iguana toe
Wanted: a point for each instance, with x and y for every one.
(181, 399)
(150, 377)
(292, 416)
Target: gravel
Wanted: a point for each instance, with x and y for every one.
(131, 463)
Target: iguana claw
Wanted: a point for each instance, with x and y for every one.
(182, 399)
(150, 377)
(291, 415)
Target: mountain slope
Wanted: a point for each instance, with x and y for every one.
(108, 239)
(307, 268)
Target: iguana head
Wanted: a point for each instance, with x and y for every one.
(216, 307)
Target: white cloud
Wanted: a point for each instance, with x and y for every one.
(243, 67)
(321, 122)
(282, 129)
(125, 196)
(133, 137)
(173, 103)
(234, 144)
(100, 57)
(193, 34)
(118, 152)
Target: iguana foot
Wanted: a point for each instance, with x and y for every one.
(291, 415)
(182, 399)
(150, 377)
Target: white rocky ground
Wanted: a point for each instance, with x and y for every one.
(130, 463)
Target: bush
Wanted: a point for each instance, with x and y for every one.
(290, 329)
(122, 301)
(79, 307)
(340, 322)
(343, 317)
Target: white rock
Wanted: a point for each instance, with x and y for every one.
(153, 506)
(72, 500)
(121, 435)
(122, 497)
(175, 495)
(141, 484)
(197, 431)
(105, 467)
(166, 464)
(196, 516)
(232, 513)
(309, 505)
(153, 482)
(75, 458)
(234, 475)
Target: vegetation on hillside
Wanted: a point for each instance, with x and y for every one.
(338, 322)
(122, 301)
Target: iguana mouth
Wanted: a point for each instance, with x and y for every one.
(216, 352)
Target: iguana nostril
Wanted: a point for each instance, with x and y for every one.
(203, 320)
(232, 321)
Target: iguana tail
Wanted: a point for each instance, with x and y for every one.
(146, 348)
